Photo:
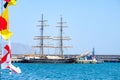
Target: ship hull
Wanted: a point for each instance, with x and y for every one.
(49, 61)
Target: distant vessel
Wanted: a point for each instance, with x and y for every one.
(42, 58)
(84, 59)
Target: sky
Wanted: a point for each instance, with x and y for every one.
(90, 23)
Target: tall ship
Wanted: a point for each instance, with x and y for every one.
(45, 58)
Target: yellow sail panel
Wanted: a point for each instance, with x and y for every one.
(6, 34)
(12, 2)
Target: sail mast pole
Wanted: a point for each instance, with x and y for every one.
(0, 27)
(1, 39)
(41, 42)
(61, 37)
(42, 37)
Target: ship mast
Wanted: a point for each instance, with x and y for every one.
(42, 37)
(41, 41)
(61, 38)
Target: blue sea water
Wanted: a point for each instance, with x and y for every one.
(105, 71)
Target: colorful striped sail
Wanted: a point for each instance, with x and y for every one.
(6, 60)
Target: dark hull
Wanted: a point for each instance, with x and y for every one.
(49, 61)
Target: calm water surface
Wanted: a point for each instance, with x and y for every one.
(105, 71)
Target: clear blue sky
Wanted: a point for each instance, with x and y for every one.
(91, 23)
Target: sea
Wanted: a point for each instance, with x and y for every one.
(36, 71)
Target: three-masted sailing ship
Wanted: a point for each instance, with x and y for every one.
(43, 58)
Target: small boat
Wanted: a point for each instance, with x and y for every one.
(84, 59)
